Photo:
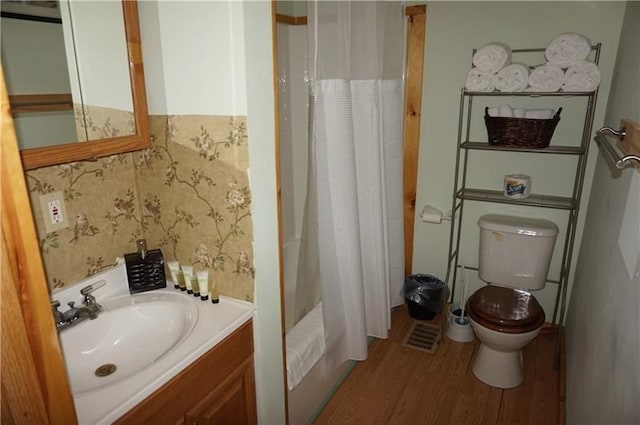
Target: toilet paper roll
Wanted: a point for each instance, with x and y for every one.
(505, 111)
(431, 215)
(519, 112)
(517, 186)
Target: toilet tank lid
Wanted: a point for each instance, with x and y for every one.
(518, 225)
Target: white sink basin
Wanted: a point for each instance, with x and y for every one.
(132, 333)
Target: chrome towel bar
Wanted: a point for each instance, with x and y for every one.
(622, 163)
(611, 153)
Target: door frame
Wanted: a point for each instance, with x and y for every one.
(25, 304)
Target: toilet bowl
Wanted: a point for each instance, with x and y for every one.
(504, 320)
(515, 253)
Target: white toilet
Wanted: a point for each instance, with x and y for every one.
(515, 253)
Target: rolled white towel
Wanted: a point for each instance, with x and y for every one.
(546, 78)
(568, 49)
(492, 57)
(512, 78)
(493, 112)
(584, 77)
(540, 114)
(505, 111)
(480, 81)
(519, 112)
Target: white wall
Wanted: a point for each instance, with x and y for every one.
(201, 54)
(26, 46)
(292, 7)
(95, 43)
(270, 387)
(216, 58)
(152, 57)
(603, 324)
(453, 29)
(35, 130)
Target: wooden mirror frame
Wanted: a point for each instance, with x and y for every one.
(78, 151)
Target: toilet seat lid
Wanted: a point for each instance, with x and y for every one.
(508, 310)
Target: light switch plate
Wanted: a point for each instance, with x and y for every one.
(54, 211)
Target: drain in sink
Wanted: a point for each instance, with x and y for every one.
(105, 370)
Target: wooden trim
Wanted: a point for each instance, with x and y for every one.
(40, 102)
(415, 10)
(42, 157)
(413, 110)
(302, 20)
(21, 394)
(276, 100)
(23, 254)
(291, 20)
(136, 75)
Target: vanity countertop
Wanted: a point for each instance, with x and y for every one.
(215, 322)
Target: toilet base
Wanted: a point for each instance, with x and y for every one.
(498, 369)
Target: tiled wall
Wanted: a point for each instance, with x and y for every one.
(188, 195)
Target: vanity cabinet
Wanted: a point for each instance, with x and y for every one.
(228, 403)
(218, 388)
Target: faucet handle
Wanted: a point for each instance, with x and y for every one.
(57, 314)
(87, 290)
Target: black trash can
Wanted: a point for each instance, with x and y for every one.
(424, 296)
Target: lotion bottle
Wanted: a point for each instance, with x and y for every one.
(187, 271)
(203, 284)
(174, 268)
(215, 299)
(195, 284)
(180, 277)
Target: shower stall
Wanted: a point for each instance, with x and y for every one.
(340, 85)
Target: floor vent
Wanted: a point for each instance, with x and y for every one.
(423, 337)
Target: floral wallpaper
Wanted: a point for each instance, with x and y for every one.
(194, 191)
(188, 195)
(97, 122)
(89, 244)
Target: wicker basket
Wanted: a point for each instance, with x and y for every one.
(521, 132)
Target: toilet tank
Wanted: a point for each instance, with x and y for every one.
(515, 251)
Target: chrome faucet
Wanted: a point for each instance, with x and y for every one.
(89, 310)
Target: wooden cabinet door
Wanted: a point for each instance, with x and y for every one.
(230, 403)
(190, 396)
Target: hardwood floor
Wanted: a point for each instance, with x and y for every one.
(400, 385)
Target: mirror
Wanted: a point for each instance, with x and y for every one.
(106, 107)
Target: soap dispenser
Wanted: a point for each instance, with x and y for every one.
(145, 269)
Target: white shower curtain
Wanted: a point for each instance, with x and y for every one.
(352, 240)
